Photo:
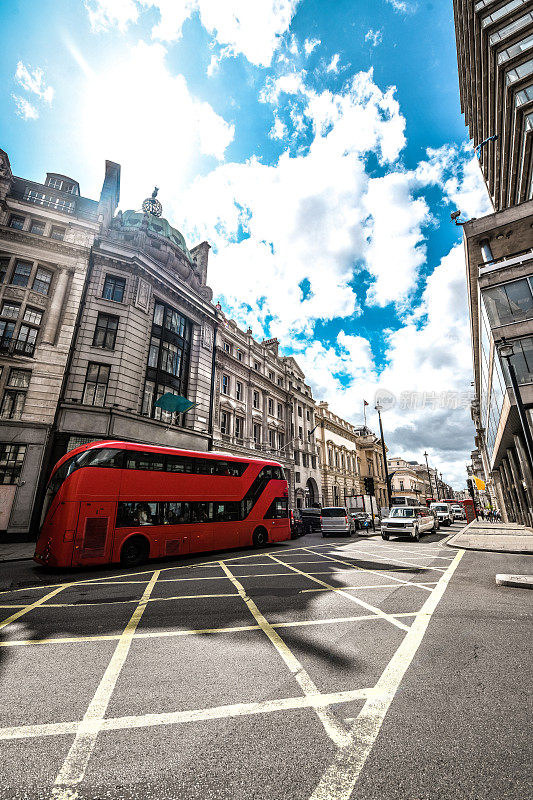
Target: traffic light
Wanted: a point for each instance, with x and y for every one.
(369, 485)
(470, 484)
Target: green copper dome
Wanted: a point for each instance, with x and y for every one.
(159, 225)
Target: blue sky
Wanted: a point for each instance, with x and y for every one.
(318, 146)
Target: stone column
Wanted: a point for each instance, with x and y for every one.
(55, 306)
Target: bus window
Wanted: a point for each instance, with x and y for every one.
(174, 513)
(133, 513)
(279, 508)
(151, 461)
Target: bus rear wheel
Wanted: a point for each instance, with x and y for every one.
(260, 537)
(134, 551)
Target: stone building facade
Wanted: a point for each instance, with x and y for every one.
(262, 406)
(340, 461)
(46, 234)
(406, 481)
(146, 328)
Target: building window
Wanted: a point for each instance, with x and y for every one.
(256, 366)
(305, 460)
(299, 411)
(46, 200)
(256, 399)
(280, 411)
(271, 376)
(105, 333)
(6, 334)
(148, 398)
(15, 396)
(225, 384)
(176, 323)
(239, 355)
(270, 406)
(4, 264)
(308, 415)
(171, 358)
(401, 486)
(224, 422)
(239, 427)
(297, 457)
(238, 390)
(280, 381)
(11, 460)
(114, 288)
(94, 393)
(281, 441)
(42, 281)
(227, 347)
(17, 223)
(508, 30)
(300, 433)
(257, 434)
(511, 302)
(33, 315)
(10, 310)
(54, 183)
(272, 438)
(297, 477)
(25, 343)
(522, 361)
(21, 274)
(57, 233)
(37, 227)
(313, 462)
(524, 96)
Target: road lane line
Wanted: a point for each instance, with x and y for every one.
(37, 604)
(406, 565)
(193, 632)
(378, 586)
(314, 701)
(371, 571)
(75, 764)
(339, 779)
(332, 726)
(389, 617)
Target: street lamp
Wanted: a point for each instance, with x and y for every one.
(506, 351)
(429, 475)
(378, 408)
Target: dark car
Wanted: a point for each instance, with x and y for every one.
(363, 520)
(297, 526)
(311, 519)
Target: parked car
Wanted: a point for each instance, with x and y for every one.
(297, 526)
(335, 520)
(443, 512)
(410, 521)
(310, 519)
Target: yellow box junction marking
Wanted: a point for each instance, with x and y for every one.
(75, 764)
(332, 726)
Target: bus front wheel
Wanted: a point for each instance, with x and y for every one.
(134, 551)
(260, 537)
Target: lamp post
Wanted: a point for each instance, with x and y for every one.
(506, 351)
(429, 475)
(378, 408)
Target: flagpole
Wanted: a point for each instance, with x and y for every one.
(364, 411)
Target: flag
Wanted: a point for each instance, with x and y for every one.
(479, 484)
(365, 403)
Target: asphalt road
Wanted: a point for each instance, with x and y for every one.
(310, 670)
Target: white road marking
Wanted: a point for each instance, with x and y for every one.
(332, 726)
(314, 701)
(338, 781)
(405, 564)
(75, 764)
(357, 600)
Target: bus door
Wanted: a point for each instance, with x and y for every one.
(93, 542)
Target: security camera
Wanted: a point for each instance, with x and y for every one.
(455, 215)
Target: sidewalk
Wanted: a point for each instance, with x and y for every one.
(499, 537)
(16, 551)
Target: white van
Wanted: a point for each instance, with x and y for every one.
(408, 521)
(443, 512)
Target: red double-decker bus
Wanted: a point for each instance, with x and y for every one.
(111, 501)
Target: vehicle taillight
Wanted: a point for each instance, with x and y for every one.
(321, 520)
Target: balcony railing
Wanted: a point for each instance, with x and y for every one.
(505, 261)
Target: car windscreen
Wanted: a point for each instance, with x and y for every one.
(435, 507)
(402, 512)
(333, 512)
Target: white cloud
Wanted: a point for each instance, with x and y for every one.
(278, 130)
(33, 82)
(310, 44)
(25, 109)
(402, 5)
(333, 65)
(374, 37)
(254, 28)
(159, 140)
